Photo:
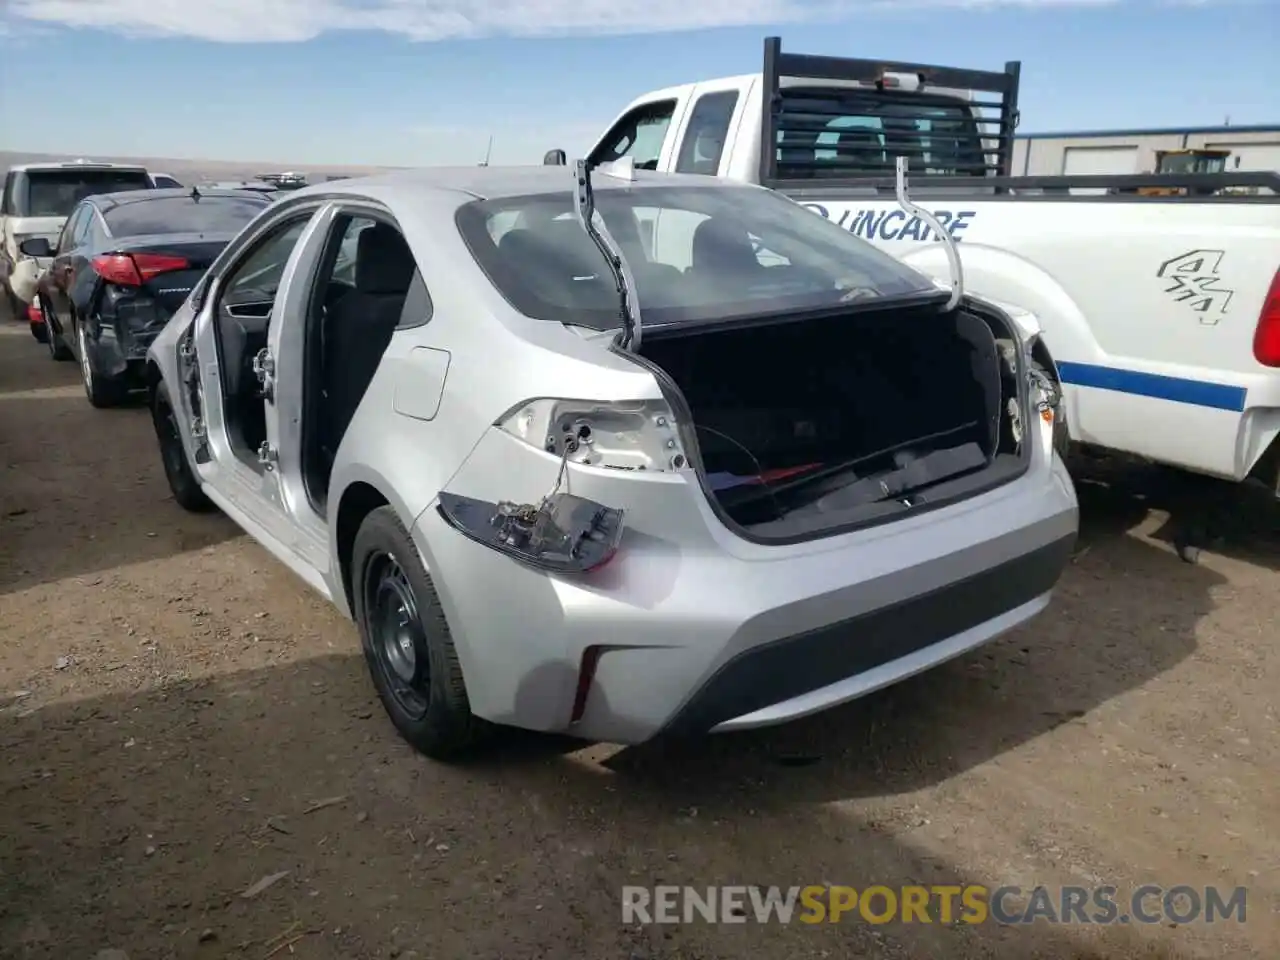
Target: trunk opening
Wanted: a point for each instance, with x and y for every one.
(814, 427)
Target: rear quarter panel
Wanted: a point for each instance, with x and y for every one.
(1149, 308)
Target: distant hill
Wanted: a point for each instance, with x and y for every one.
(194, 170)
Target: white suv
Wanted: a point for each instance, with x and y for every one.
(36, 201)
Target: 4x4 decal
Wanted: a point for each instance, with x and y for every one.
(1192, 279)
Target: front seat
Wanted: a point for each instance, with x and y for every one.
(723, 251)
(360, 324)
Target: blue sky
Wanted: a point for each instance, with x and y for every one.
(427, 81)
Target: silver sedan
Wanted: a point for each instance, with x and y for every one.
(616, 454)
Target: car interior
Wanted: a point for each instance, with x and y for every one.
(349, 327)
(351, 318)
(242, 317)
(556, 261)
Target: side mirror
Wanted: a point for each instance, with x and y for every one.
(36, 247)
(555, 158)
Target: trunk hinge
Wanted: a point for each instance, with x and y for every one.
(264, 368)
(948, 241)
(189, 363)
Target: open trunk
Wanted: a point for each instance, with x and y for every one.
(807, 428)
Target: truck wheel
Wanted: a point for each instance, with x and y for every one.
(407, 643)
(183, 483)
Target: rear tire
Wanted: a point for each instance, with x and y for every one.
(407, 644)
(102, 391)
(183, 483)
(40, 331)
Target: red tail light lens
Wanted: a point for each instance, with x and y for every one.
(33, 313)
(135, 269)
(1266, 337)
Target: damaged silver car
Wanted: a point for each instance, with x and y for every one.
(614, 453)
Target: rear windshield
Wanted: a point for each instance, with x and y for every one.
(53, 193)
(183, 215)
(696, 253)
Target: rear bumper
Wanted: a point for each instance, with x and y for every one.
(119, 351)
(697, 630)
(800, 675)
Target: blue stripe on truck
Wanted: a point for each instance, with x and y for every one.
(1218, 396)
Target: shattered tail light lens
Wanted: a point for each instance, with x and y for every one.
(561, 534)
(564, 533)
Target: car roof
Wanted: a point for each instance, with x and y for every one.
(109, 201)
(489, 183)
(75, 165)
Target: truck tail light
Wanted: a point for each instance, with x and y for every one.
(1266, 336)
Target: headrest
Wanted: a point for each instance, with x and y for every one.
(720, 246)
(383, 261)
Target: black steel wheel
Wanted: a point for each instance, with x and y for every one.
(398, 640)
(407, 644)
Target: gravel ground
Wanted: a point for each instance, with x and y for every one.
(181, 721)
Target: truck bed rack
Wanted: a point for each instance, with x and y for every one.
(812, 131)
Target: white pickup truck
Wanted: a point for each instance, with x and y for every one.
(1160, 314)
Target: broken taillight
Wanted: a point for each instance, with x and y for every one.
(34, 315)
(561, 534)
(624, 435)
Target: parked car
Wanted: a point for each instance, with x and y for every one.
(677, 491)
(36, 200)
(122, 264)
(1167, 346)
(260, 185)
(164, 180)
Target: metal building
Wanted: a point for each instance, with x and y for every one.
(1253, 148)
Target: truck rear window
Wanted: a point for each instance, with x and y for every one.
(696, 253)
(843, 132)
(53, 193)
(183, 215)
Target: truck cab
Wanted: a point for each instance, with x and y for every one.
(825, 117)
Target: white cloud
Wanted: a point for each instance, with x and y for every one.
(243, 21)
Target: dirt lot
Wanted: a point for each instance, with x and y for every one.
(180, 718)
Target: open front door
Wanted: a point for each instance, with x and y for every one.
(232, 394)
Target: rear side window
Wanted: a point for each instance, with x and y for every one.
(183, 215)
(54, 193)
(707, 131)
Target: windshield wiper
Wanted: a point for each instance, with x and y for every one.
(586, 208)
(834, 470)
